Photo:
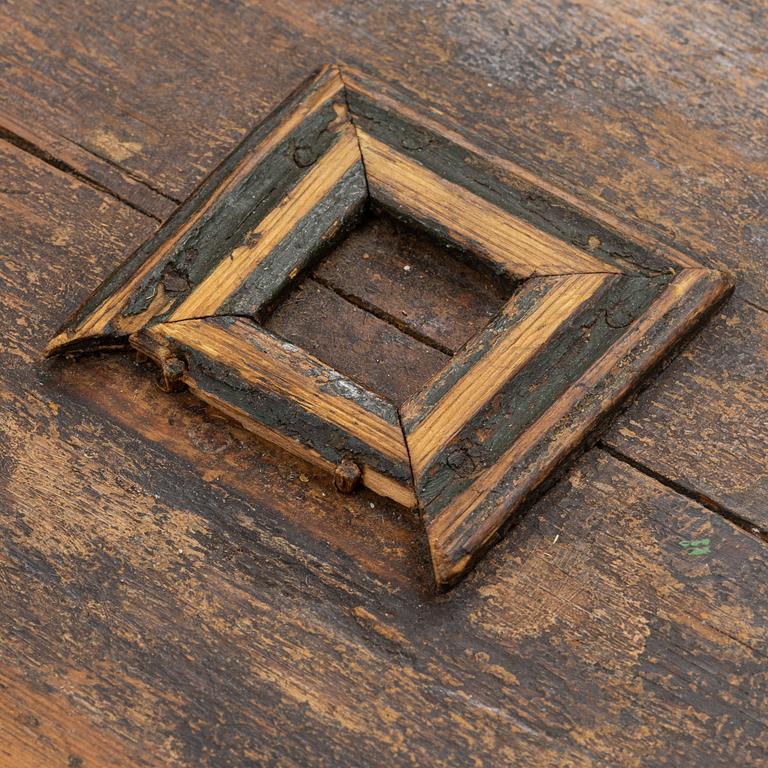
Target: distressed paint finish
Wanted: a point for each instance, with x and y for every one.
(254, 244)
(590, 636)
(223, 209)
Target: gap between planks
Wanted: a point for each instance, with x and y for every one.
(40, 144)
(382, 315)
(761, 534)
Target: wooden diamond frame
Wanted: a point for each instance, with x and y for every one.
(600, 308)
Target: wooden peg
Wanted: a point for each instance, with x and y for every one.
(171, 373)
(347, 476)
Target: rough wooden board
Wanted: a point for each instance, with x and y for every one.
(520, 408)
(667, 692)
(41, 727)
(652, 110)
(326, 201)
(659, 123)
(287, 395)
(355, 342)
(184, 604)
(165, 576)
(414, 282)
(704, 424)
(70, 157)
(61, 237)
(402, 144)
(382, 537)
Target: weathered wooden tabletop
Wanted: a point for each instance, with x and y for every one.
(176, 592)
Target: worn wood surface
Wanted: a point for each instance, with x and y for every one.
(726, 466)
(295, 628)
(490, 431)
(405, 277)
(358, 343)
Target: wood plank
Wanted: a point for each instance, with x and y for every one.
(508, 244)
(43, 219)
(621, 135)
(704, 423)
(357, 343)
(105, 481)
(40, 727)
(71, 158)
(615, 604)
(526, 327)
(279, 390)
(414, 282)
(591, 636)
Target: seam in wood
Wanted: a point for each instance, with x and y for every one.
(345, 94)
(371, 309)
(60, 165)
(690, 493)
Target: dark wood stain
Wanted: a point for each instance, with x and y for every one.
(356, 342)
(177, 592)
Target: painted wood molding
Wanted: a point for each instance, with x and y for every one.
(601, 307)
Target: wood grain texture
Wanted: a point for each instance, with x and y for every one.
(404, 276)
(608, 102)
(650, 117)
(525, 327)
(284, 393)
(326, 201)
(406, 130)
(71, 158)
(704, 424)
(464, 439)
(590, 636)
(263, 168)
(358, 344)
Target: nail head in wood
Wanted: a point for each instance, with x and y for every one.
(347, 476)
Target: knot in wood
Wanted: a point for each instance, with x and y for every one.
(347, 476)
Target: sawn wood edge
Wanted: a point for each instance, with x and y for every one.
(472, 521)
(285, 395)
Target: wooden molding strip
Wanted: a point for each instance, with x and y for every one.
(307, 217)
(510, 244)
(274, 386)
(263, 167)
(463, 526)
(487, 432)
(522, 330)
(394, 118)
